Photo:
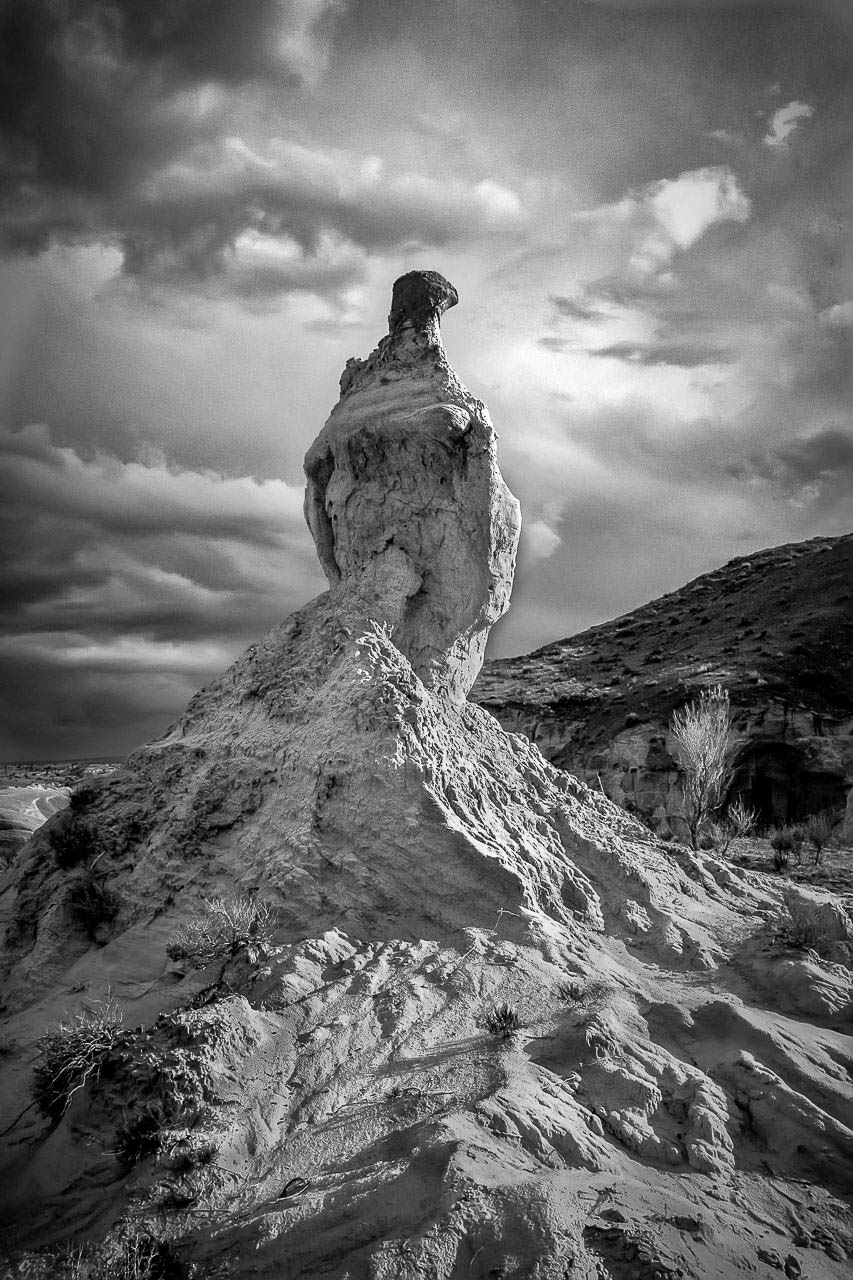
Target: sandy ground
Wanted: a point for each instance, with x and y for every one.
(32, 805)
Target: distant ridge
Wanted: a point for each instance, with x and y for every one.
(774, 627)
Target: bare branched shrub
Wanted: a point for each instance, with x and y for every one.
(71, 1055)
(226, 927)
(739, 821)
(703, 737)
(125, 1255)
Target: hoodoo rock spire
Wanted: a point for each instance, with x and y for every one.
(411, 518)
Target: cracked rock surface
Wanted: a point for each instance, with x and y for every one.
(412, 521)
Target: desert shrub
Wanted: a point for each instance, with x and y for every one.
(73, 843)
(590, 993)
(81, 797)
(139, 1136)
(71, 1055)
(126, 1255)
(799, 934)
(739, 821)
(785, 841)
(702, 737)
(781, 858)
(818, 830)
(503, 1021)
(91, 903)
(184, 1158)
(228, 926)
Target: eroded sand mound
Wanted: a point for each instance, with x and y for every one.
(492, 1027)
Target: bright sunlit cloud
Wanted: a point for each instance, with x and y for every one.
(784, 121)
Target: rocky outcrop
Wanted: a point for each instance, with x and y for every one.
(413, 524)
(469, 1018)
(775, 628)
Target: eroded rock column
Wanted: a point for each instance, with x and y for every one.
(410, 515)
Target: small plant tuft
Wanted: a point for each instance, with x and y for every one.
(228, 926)
(184, 1159)
(90, 903)
(739, 821)
(503, 1021)
(71, 1055)
(819, 831)
(139, 1136)
(785, 841)
(74, 842)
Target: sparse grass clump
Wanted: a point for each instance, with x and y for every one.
(503, 1021)
(139, 1136)
(739, 821)
(73, 843)
(226, 927)
(90, 903)
(819, 830)
(785, 841)
(71, 1055)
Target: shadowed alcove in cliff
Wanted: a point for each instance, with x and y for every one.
(775, 780)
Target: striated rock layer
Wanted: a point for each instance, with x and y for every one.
(667, 1089)
(412, 522)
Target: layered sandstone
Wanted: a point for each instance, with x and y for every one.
(412, 521)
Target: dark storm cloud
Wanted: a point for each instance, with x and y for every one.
(131, 549)
(126, 585)
(821, 460)
(683, 355)
(117, 122)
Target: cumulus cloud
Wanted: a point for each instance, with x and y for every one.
(784, 121)
(666, 217)
(137, 125)
(540, 540)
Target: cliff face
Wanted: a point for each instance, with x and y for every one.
(477, 1021)
(775, 628)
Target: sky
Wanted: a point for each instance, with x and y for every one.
(644, 206)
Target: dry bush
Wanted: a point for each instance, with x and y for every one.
(91, 903)
(139, 1136)
(739, 821)
(74, 842)
(228, 926)
(703, 737)
(125, 1255)
(819, 829)
(785, 841)
(71, 1055)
